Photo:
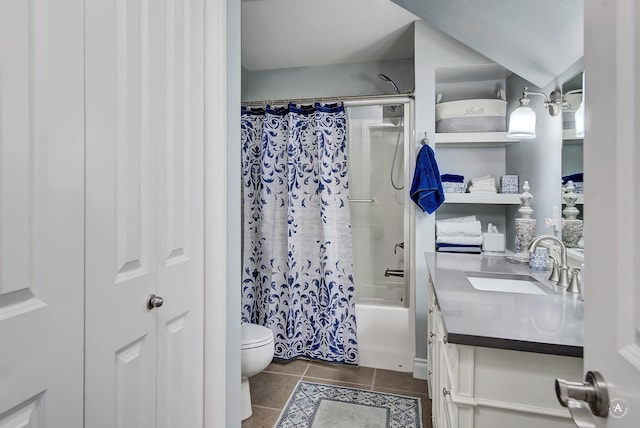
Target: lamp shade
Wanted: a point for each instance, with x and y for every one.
(522, 123)
(579, 119)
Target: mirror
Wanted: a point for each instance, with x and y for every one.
(572, 164)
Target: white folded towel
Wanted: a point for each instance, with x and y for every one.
(483, 190)
(459, 240)
(457, 228)
(483, 184)
(487, 182)
(483, 178)
(457, 219)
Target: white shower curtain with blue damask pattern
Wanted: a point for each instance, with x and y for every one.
(297, 269)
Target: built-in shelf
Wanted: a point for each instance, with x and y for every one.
(474, 139)
(482, 198)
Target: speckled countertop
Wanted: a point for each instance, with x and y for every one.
(549, 324)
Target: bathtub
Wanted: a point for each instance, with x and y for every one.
(385, 336)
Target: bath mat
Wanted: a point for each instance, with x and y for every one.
(316, 405)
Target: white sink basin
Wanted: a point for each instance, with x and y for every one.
(506, 283)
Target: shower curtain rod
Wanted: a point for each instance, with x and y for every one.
(352, 100)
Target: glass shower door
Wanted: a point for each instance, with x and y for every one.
(377, 138)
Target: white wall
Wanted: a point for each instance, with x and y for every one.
(538, 160)
(433, 50)
(333, 80)
(244, 77)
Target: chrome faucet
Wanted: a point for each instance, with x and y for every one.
(563, 267)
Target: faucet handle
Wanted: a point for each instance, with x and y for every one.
(574, 283)
(555, 274)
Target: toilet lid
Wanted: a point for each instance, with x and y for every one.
(254, 335)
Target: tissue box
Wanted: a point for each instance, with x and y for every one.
(493, 242)
(509, 184)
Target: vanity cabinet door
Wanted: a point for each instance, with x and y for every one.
(441, 375)
(430, 337)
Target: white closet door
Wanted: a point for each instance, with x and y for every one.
(144, 213)
(180, 178)
(41, 213)
(120, 375)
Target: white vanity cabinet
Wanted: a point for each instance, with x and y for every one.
(481, 387)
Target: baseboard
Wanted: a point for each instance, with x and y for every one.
(420, 367)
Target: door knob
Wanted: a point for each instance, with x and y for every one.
(593, 391)
(154, 301)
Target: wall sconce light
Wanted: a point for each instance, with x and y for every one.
(578, 115)
(522, 122)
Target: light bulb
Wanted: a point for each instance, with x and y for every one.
(579, 119)
(522, 123)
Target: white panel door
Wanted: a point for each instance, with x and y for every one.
(120, 375)
(612, 202)
(41, 213)
(144, 213)
(180, 178)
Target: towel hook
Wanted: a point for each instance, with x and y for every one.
(425, 140)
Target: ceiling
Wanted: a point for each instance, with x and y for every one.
(537, 40)
(304, 33)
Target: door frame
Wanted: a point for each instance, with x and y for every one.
(222, 214)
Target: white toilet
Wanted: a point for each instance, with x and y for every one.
(256, 354)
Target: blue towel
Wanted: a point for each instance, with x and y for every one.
(452, 178)
(426, 189)
(578, 177)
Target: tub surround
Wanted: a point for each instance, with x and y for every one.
(548, 324)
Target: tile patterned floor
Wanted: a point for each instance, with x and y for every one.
(271, 388)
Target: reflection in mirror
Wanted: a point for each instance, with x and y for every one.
(572, 157)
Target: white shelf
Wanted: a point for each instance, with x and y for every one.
(474, 139)
(482, 198)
